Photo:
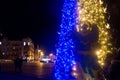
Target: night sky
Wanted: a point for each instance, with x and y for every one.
(37, 19)
(40, 20)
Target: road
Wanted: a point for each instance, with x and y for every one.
(34, 69)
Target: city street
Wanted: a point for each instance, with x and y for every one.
(30, 71)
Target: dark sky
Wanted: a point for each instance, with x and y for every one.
(113, 7)
(37, 19)
(40, 19)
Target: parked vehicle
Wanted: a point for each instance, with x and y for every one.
(46, 60)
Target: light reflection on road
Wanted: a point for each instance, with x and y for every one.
(37, 69)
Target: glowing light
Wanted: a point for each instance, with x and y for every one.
(108, 26)
(42, 54)
(3, 53)
(93, 12)
(45, 59)
(102, 64)
(75, 74)
(98, 52)
(28, 43)
(65, 54)
(0, 43)
(51, 55)
(77, 27)
(24, 43)
(39, 51)
(74, 68)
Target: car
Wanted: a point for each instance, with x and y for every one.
(45, 59)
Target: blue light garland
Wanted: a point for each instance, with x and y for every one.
(65, 48)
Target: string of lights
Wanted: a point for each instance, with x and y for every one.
(93, 12)
(65, 47)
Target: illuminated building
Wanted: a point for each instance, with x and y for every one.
(9, 49)
(39, 54)
(28, 48)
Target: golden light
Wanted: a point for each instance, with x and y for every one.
(103, 42)
(108, 26)
(102, 64)
(93, 12)
(39, 51)
(98, 52)
(101, 2)
(42, 54)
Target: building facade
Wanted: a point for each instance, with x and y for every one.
(10, 49)
(39, 54)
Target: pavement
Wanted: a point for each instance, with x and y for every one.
(7, 76)
(31, 71)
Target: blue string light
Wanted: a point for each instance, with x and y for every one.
(65, 47)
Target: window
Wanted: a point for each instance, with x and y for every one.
(0, 43)
(28, 43)
(24, 43)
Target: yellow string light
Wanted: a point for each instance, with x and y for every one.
(93, 11)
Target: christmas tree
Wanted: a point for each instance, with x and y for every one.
(94, 12)
(65, 47)
(76, 13)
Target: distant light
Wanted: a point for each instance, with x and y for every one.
(51, 55)
(28, 43)
(13, 47)
(1, 34)
(24, 43)
(39, 51)
(0, 43)
(45, 59)
(24, 58)
(77, 28)
(42, 53)
(3, 53)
